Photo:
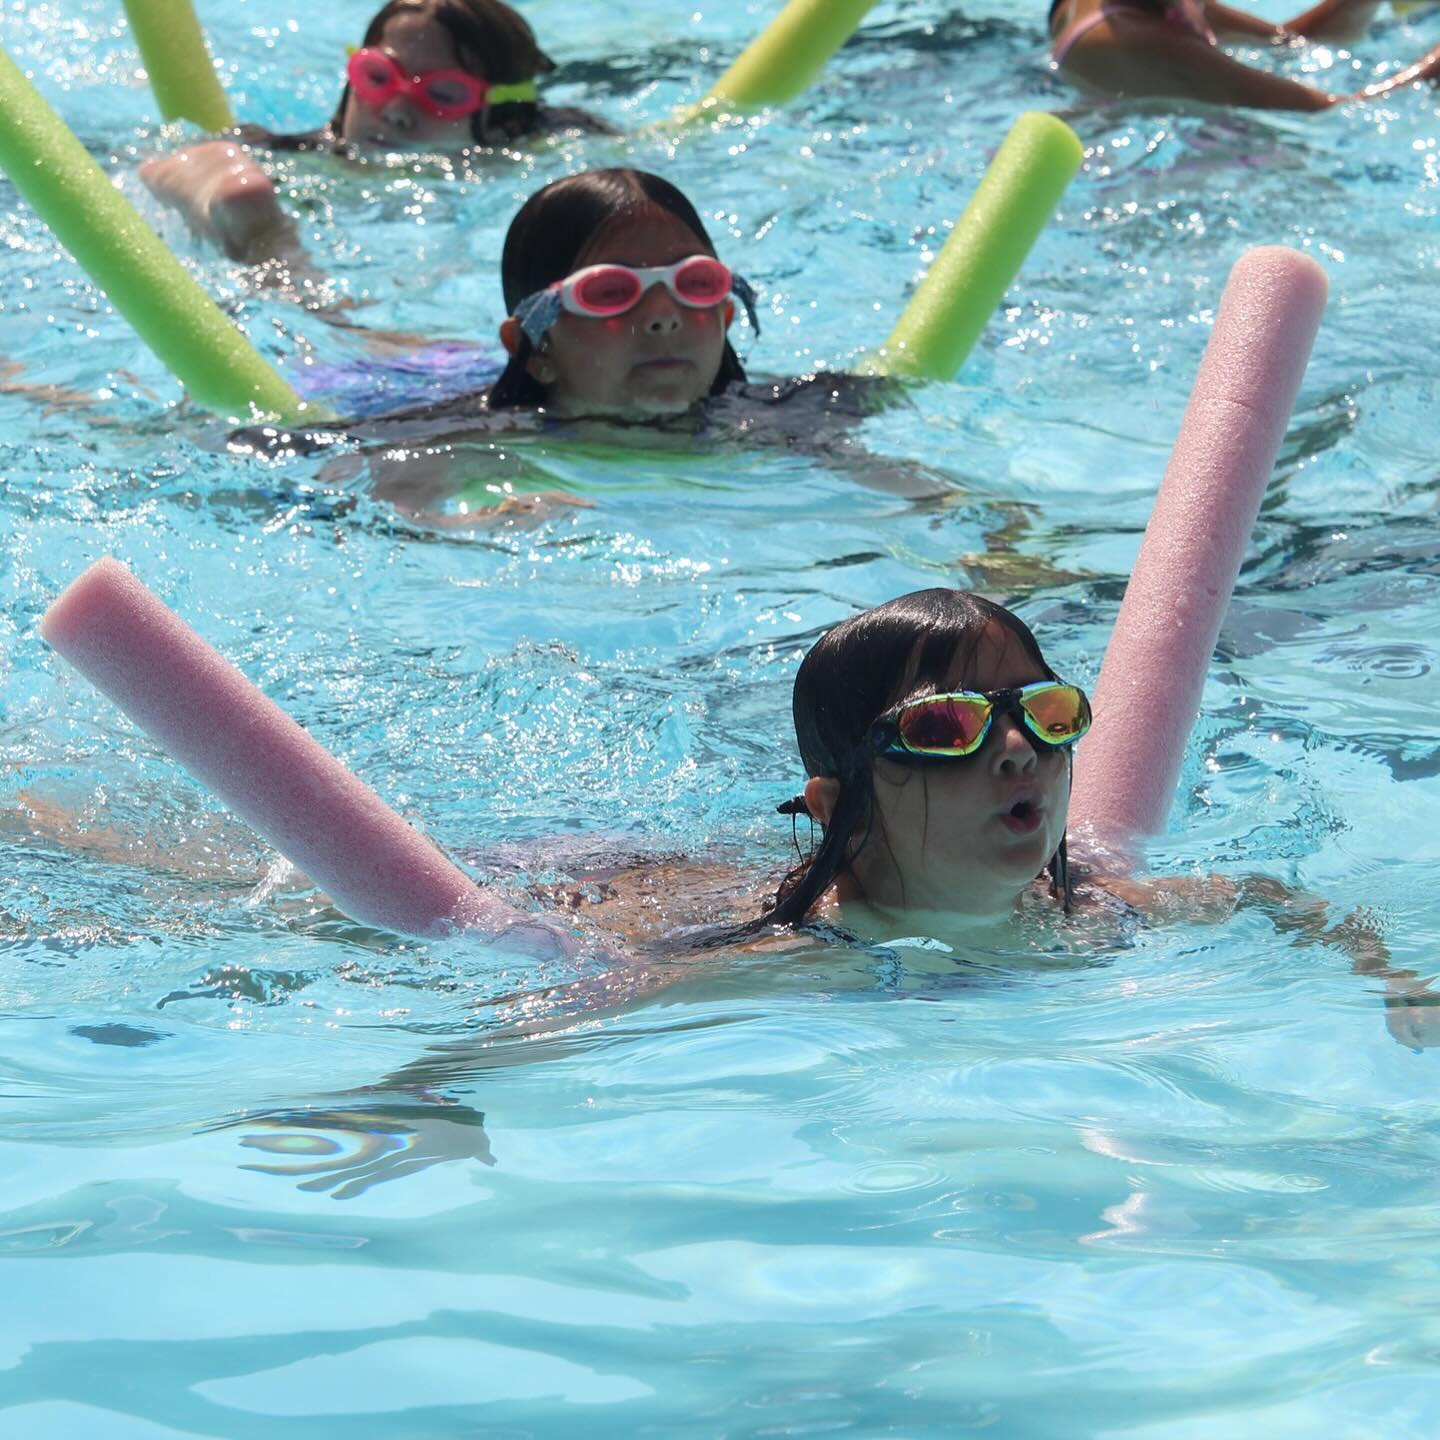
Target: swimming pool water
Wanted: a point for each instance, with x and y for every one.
(1169, 1184)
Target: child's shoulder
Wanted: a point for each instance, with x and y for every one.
(801, 412)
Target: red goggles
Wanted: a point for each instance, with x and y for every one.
(377, 78)
(950, 727)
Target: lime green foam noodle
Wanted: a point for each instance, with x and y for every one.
(181, 72)
(787, 55)
(129, 262)
(990, 241)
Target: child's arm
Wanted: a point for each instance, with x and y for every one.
(1329, 20)
(1412, 1009)
(1149, 58)
(226, 197)
(493, 486)
(209, 854)
(266, 768)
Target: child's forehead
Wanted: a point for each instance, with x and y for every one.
(645, 235)
(997, 660)
(416, 38)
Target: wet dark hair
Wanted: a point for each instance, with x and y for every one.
(550, 233)
(491, 41)
(853, 674)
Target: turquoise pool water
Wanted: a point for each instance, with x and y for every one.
(1170, 1185)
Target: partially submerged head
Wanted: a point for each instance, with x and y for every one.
(656, 357)
(909, 831)
(419, 65)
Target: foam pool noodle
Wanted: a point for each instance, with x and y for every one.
(1011, 206)
(1148, 693)
(182, 74)
(141, 277)
(785, 58)
(259, 762)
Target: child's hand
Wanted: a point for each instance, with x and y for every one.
(389, 1141)
(516, 510)
(1412, 1014)
(223, 195)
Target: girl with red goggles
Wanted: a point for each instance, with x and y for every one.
(430, 75)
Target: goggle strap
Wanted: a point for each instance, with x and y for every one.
(896, 745)
(538, 313)
(524, 92)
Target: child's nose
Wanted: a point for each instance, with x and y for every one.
(1013, 753)
(659, 314)
(399, 111)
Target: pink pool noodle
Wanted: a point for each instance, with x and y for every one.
(255, 758)
(1148, 693)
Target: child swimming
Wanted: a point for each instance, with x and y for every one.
(937, 740)
(1170, 48)
(618, 304)
(619, 310)
(938, 744)
(431, 75)
(617, 334)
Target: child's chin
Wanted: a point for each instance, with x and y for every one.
(659, 406)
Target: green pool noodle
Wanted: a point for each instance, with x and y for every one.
(177, 60)
(129, 261)
(788, 54)
(1012, 205)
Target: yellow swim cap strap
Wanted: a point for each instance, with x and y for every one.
(510, 94)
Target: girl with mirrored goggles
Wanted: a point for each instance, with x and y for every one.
(954, 726)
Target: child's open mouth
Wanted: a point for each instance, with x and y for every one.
(1023, 817)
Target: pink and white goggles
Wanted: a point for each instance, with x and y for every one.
(599, 292)
(377, 78)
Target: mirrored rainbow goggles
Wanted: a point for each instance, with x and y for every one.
(954, 725)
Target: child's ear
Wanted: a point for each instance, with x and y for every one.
(538, 365)
(729, 312)
(822, 794)
(540, 369)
